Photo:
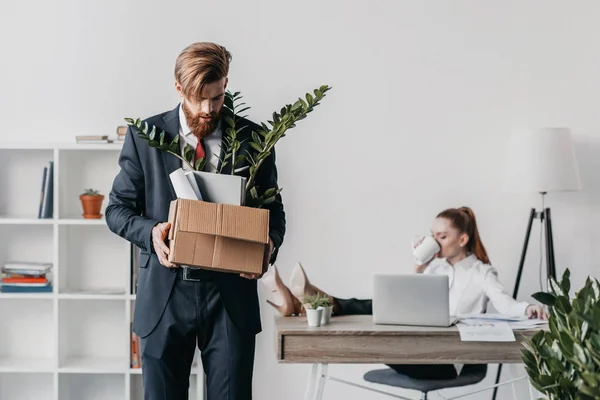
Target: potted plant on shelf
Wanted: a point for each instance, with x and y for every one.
(91, 202)
(563, 362)
(318, 309)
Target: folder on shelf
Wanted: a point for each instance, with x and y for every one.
(44, 177)
(46, 207)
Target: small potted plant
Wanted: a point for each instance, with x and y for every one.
(315, 308)
(91, 202)
(327, 308)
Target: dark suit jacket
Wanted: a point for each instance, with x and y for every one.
(140, 198)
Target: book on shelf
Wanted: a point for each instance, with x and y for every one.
(24, 280)
(134, 267)
(92, 139)
(136, 358)
(25, 289)
(28, 266)
(46, 206)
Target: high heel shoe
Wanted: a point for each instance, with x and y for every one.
(300, 286)
(289, 305)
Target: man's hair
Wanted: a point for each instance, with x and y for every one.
(201, 63)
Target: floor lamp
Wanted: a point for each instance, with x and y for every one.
(540, 161)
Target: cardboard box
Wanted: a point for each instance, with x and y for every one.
(219, 237)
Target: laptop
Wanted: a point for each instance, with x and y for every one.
(415, 299)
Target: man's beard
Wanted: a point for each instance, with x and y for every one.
(199, 128)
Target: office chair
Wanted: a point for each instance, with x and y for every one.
(469, 375)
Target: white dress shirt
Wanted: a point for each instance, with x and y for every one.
(472, 284)
(212, 142)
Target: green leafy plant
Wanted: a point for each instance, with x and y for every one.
(564, 361)
(260, 146)
(91, 192)
(157, 140)
(317, 300)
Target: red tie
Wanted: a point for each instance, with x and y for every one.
(200, 150)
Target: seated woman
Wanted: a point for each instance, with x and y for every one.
(473, 283)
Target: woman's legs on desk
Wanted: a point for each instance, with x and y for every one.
(290, 303)
(288, 300)
(353, 306)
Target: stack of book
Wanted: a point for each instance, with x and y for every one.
(26, 277)
(121, 133)
(92, 139)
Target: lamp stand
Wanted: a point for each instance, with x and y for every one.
(545, 220)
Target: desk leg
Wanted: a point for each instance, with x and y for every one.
(312, 380)
(322, 377)
(512, 369)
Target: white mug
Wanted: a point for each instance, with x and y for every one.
(426, 250)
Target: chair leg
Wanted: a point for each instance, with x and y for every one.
(424, 396)
(513, 373)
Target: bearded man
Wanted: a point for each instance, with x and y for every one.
(177, 307)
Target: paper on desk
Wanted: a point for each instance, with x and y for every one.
(527, 324)
(492, 317)
(486, 332)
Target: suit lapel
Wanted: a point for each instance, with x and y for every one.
(170, 162)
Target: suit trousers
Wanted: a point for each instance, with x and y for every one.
(195, 315)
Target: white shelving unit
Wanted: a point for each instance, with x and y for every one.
(73, 343)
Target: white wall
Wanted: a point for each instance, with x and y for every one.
(424, 96)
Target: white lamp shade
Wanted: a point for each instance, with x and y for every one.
(541, 160)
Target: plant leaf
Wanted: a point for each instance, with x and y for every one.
(545, 298)
(254, 193)
(256, 146)
(565, 282)
(562, 303)
(579, 352)
(229, 121)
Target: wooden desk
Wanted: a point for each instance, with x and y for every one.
(355, 339)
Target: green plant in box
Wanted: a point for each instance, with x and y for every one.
(261, 143)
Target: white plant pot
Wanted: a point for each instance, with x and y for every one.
(314, 317)
(326, 318)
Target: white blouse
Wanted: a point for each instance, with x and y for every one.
(472, 283)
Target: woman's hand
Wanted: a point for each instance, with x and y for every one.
(535, 311)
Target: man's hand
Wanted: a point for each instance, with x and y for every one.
(266, 259)
(159, 234)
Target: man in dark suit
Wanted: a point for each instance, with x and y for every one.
(178, 307)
